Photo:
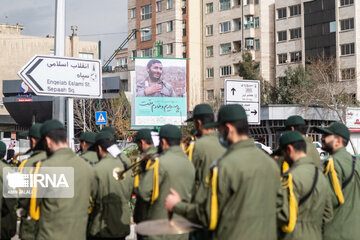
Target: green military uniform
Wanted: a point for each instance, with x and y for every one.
(312, 152)
(140, 204)
(65, 218)
(174, 171)
(89, 154)
(244, 186)
(311, 198)
(111, 214)
(339, 170)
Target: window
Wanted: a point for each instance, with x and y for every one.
(346, 2)
(281, 13)
(169, 26)
(295, 33)
(135, 33)
(347, 24)
(236, 2)
(184, 28)
(225, 48)
(210, 94)
(225, 27)
(210, 51)
(249, 43)
(133, 12)
(122, 62)
(159, 6)
(348, 73)
(282, 58)
(209, 7)
(147, 52)
(86, 55)
(282, 36)
(225, 71)
(257, 22)
(146, 12)
(209, 30)
(158, 28)
(347, 49)
(222, 93)
(237, 24)
(249, 22)
(256, 1)
(146, 35)
(209, 72)
(257, 44)
(295, 56)
(134, 54)
(224, 4)
(295, 10)
(170, 4)
(170, 48)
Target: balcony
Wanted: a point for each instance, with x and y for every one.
(249, 9)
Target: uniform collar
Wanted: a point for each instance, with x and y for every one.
(242, 144)
(214, 133)
(62, 151)
(173, 149)
(150, 149)
(340, 150)
(302, 161)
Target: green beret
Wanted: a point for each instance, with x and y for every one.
(104, 135)
(2, 147)
(199, 110)
(290, 137)
(170, 131)
(108, 129)
(50, 125)
(143, 134)
(336, 129)
(229, 113)
(294, 121)
(35, 131)
(88, 137)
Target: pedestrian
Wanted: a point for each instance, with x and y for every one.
(243, 182)
(343, 174)
(110, 217)
(88, 152)
(62, 218)
(306, 204)
(171, 169)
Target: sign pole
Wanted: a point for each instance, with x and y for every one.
(70, 121)
(59, 102)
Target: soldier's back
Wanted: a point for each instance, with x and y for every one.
(90, 156)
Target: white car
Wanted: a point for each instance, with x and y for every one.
(318, 146)
(264, 147)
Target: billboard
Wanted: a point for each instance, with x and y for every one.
(159, 92)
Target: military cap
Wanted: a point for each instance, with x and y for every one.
(50, 125)
(143, 134)
(170, 131)
(290, 137)
(104, 135)
(108, 129)
(335, 128)
(229, 113)
(294, 121)
(87, 137)
(35, 131)
(2, 147)
(199, 110)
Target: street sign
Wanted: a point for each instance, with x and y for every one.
(246, 93)
(101, 118)
(63, 76)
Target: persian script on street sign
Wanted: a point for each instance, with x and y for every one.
(63, 76)
(247, 94)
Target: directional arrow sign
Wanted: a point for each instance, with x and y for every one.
(63, 76)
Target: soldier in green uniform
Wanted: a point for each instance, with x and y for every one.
(306, 204)
(87, 139)
(145, 144)
(7, 205)
(207, 149)
(110, 218)
(343, 174)
(62, 218)
(28, 226)
(244, 184)
(297, 123)
(171, 169)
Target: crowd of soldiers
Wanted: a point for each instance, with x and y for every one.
(221, 181)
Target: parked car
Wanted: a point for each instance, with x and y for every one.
(318, 146)
(264, 147)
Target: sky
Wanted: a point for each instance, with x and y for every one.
(104, 21)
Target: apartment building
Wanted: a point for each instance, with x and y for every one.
(175, 25)
(231, 27)
(313, 28)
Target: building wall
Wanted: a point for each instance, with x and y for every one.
(16, 50)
